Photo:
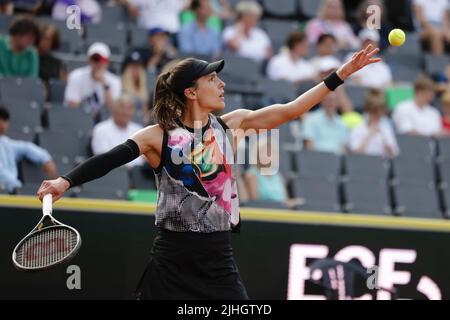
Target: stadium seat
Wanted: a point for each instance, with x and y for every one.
(71, 39)
(304, 86)
(285, 8)
(318, 164)
(34, 173)
(278, 31)
(368, 197)
(357, 95)
(56, 90)
(113, 185)
(278, 91)
(309, 8)
(364, 167)
(245, 68)
(443, 145)
(138, 37)
(113, 34)
(415, 146)
(419, 200)
(22, 89)
(113, 13)
(435, 64)
(411, 46)
(69, 120)
(23, 133)
(319, 194)
(65, 147)
(416, 171)
(25, 116)
(233, 101)
(5, 22)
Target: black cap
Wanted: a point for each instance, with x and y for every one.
(198, 68)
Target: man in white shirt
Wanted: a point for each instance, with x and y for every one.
(377, 75)
(244, 38)
(373, 136)
(291, 64)
(117, 129)
(326, 50)
(93, 86)
(418, 116)
(164, 14)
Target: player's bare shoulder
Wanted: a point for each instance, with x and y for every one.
(149, 139)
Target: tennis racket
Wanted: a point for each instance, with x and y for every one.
(50, 243)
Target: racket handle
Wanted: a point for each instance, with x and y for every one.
(47, 204)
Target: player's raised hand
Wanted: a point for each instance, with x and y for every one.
(358, 61)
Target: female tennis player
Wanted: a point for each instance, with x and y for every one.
(197, 205)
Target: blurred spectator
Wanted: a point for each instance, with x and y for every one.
(18, 56)
(91, 11)
(445, 101)
(7, 7)
(93, 86)
(134, 80)
(198, 37)
(291, 64)
(326, 50)
(159, 50)
(156, 13)
(268, 185)
(49, 66)
(331, 19)
(13, 151)
(223, 9)
(117, 129)
(433, 23)
(28, 6)
(374, 137)
(244, 37)
(365, 21)
(377, 75)
(323, 129)
(418, 116)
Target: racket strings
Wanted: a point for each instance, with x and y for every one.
(47, 247)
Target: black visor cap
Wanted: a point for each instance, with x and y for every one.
(198, 69)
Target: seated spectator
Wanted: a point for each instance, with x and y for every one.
(18, 56)
(291, 64)
(374, 137)
(91, 11)
(12, 151)
(50, 67)
(159, 50)
(93, 86)
(326, 50)
(244, 37)
(331, 19)
(365, 20)
(445, 101)
(117, 129)
(198, 37)
(7, 7)
(156, 13)
(134, 80)
(432, 22)
(377, 75)
(323, 129)
(263, 180)
(418, 116)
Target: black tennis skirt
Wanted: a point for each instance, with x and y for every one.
(188, 265)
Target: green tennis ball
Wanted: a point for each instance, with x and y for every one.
(397, 37)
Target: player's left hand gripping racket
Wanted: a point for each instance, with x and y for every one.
(48, 244)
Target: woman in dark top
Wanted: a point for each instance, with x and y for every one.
(49, 66)
(198, 205)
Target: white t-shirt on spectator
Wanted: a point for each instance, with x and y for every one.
(283, 67)
(163, 14)
(82, 88)
(376, 75)
(106, 135)
(318, 61)
(375, 147)
(433, 10)
(425, 121)
(254, 47)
